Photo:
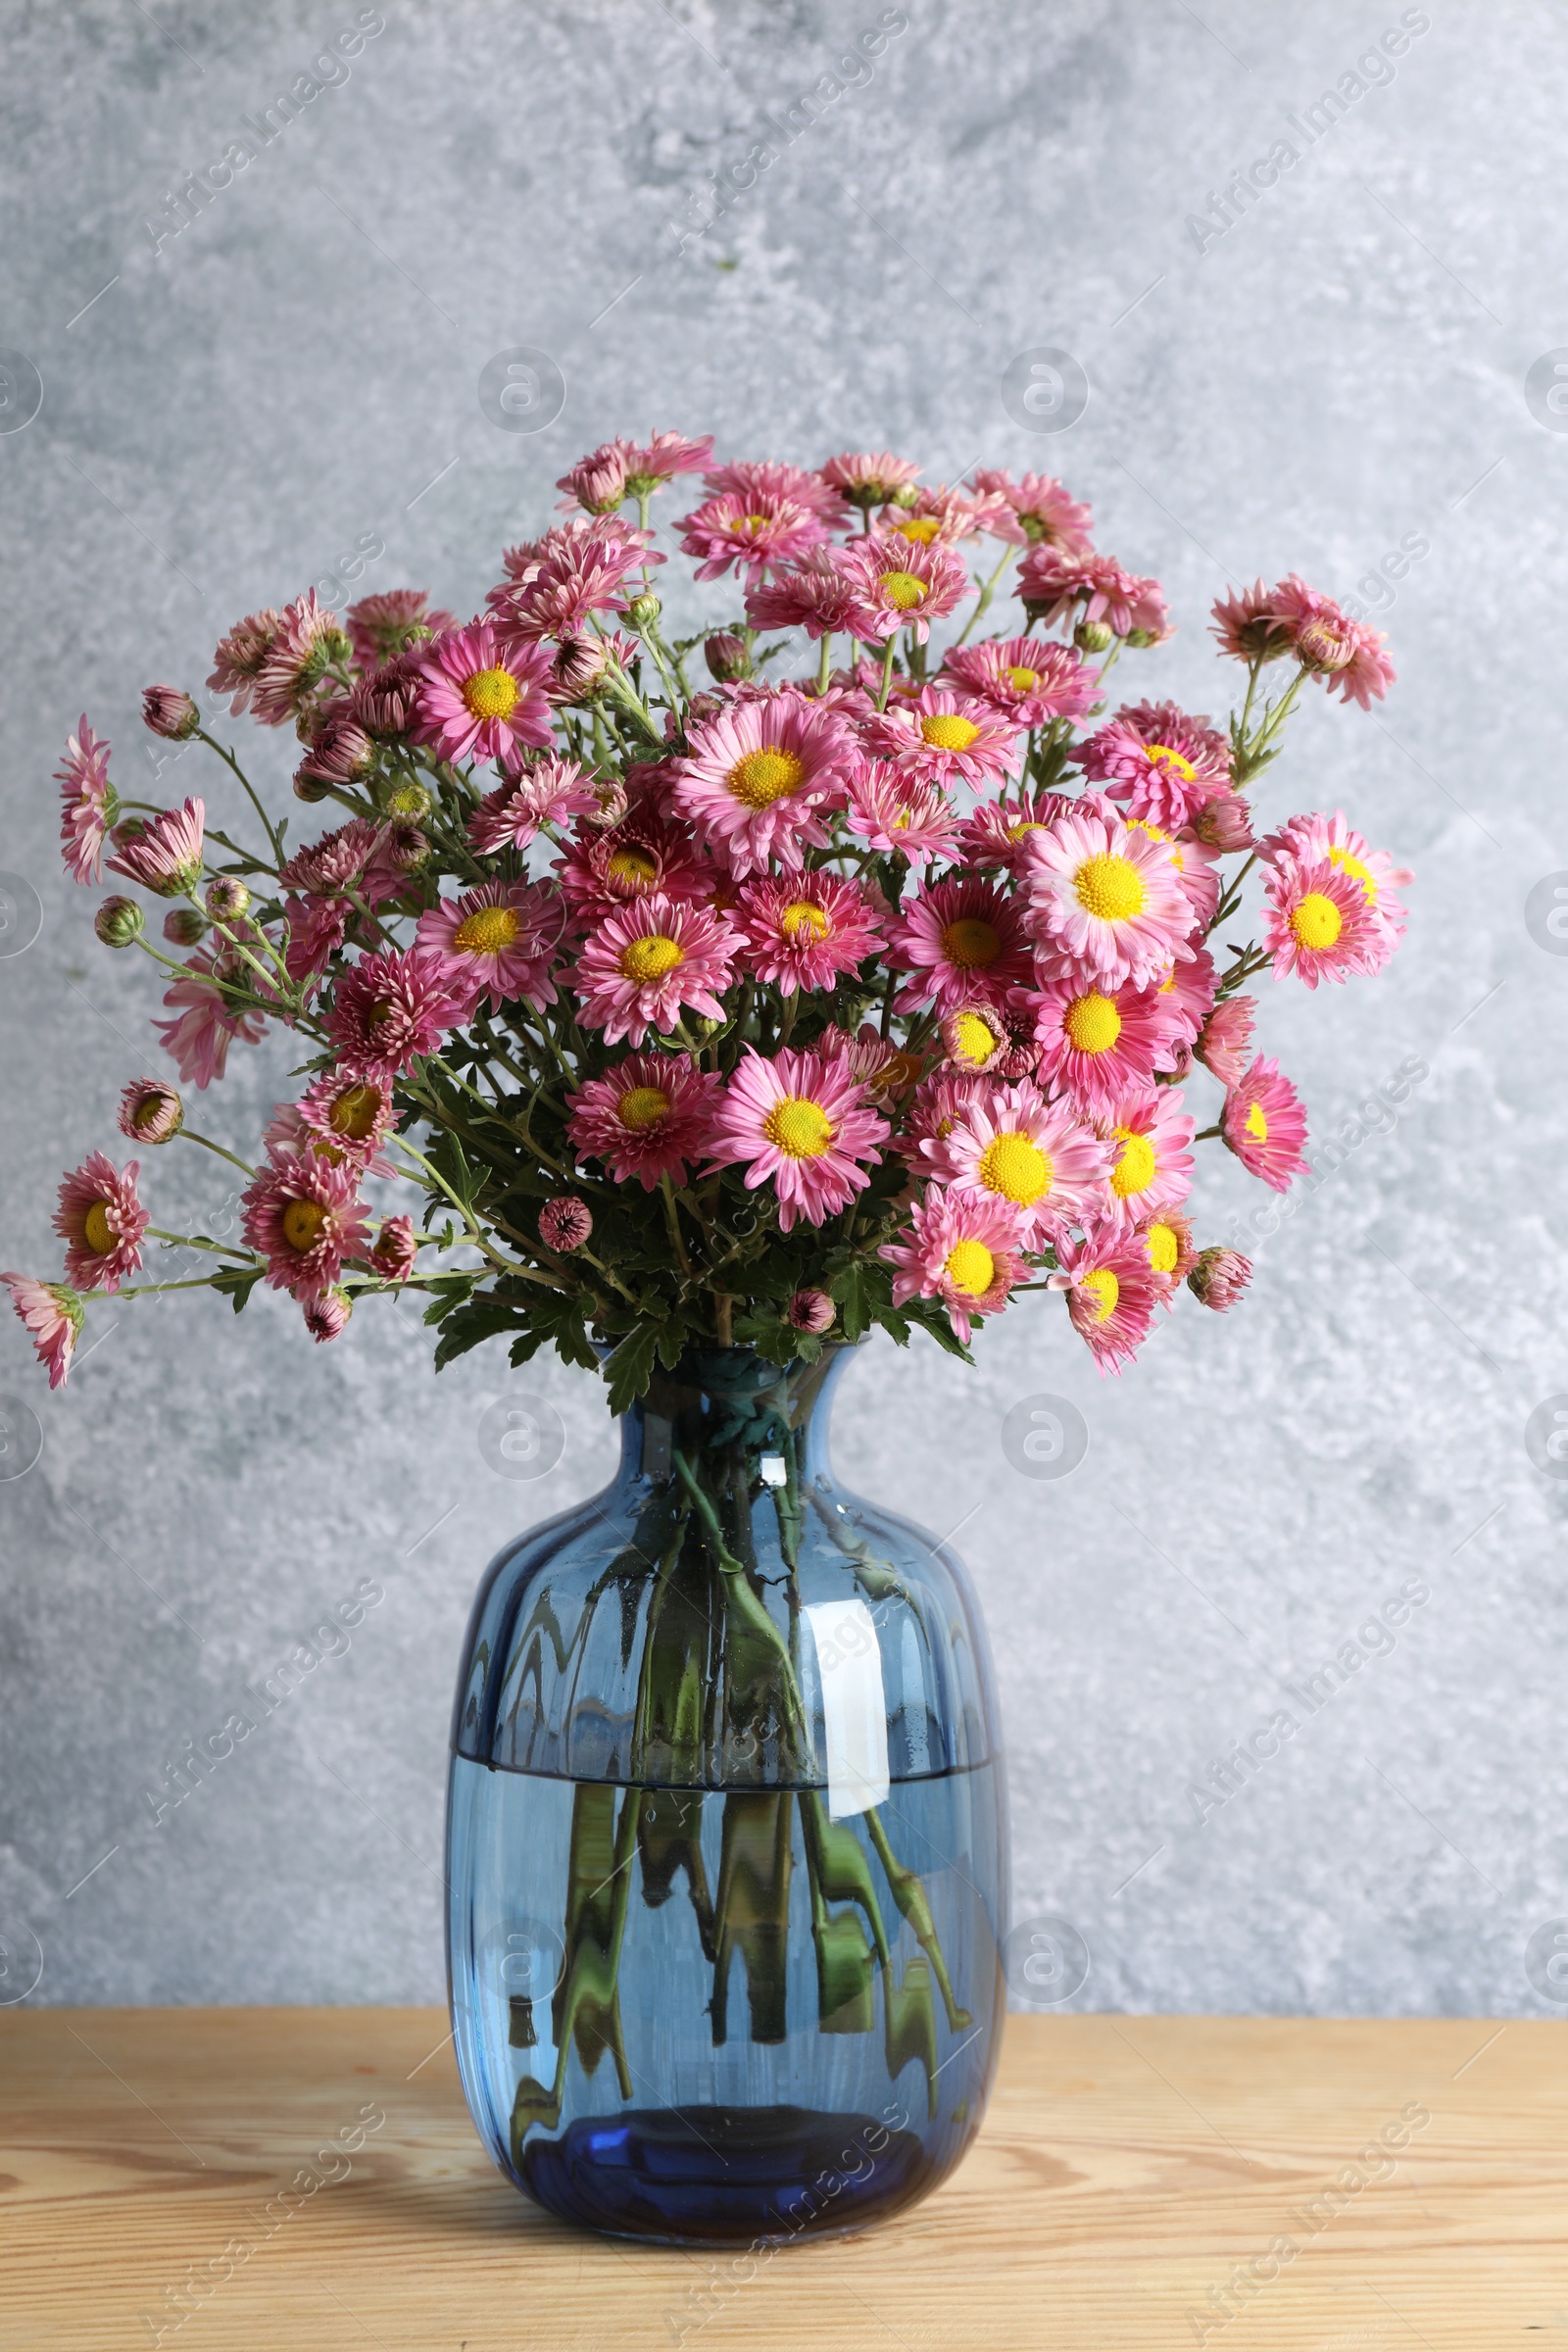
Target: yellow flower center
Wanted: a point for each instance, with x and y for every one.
(970, 943)
(1134, 1171)
(1316, 921)
(1014, 1166)
(636, 867)
(302, 1222)
(974, 1039)
(946, 731)
(1092, 1023)
(1164, 756)
(1021, 678)
(491, 693)
(486, 931)
(1104, 1292)
(97, 1232)
(147, 1115)
(1256, 1124)
(804, 921)
(1165, 1248)
(641, 1107)
(921, 527)
(902, 589)
(1111, 887)
(1345, 864)
(753, 523)
(970, 1267)
(799, 1128)
(355, 1113)
(647, 960)
(759, 778)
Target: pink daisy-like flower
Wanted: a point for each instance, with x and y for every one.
(997, 832)
(550, 792)
(963, 942)
(395, 1249)
(814, 594)
(642, 855)
(382, 626)
(644, 1118)
(1104, 900)
(886, 1070)
(942, 513)
(1097, 1042)
(476, 701)
(1039, 1157)
(204, 1024)
(597, 482)
(1156, 759)
(1222, 1042)
(1111, 1294)
(150, 1112)
(754, 533)
(1218, 1277)
(1317, 839)
(889, 809)
(341, 861)
(942, 737)
(343, 1116)
(101, 1222)
(966, 1248)
(1248, 626)
(1039, 509)
(53, 1315)
(662, 456)
(388, 1010)
(1151, 1137)
(166, 856)
(497, 942)
(90, 803)
(237, 658)
(1027, 680)
(1194, 870)
(1319, 926)
(803, 1120)
(1092, 588)
(646, 963)
(975, 1037)
(751, 478)
(1345, 653)
(1167, 1240)
(294, 662)
(867, 478)
(305, 1216)
(757, 774)
(940, 1102)
(583, 568)
(1264, 1124)
(803, 931)
(898, 584)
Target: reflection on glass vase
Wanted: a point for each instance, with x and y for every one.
(727, 1835)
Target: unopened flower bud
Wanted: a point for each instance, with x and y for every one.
(150, 1112)
(1092, 637)
(227, 899)
(811, 1310)
(119, 922)
(169, 711)
(728, 657)
(644, 609)
(308, 787)
(905, 495)
(566, 1223)
(1219, 1277)
(407, 849)
(1325, 644)
(128, 829)
(578, 668)
(336, 645)
(395, 1250)
(1140, 638)
(325, 1317)
(183, 927)
(409, 800)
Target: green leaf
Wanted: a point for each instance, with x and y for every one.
(237, 1282)
(631, 1368)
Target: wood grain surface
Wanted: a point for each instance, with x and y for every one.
(1139, 2182)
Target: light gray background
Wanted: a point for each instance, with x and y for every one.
(1344, 368)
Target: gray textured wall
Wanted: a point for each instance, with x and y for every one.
(1342, 368)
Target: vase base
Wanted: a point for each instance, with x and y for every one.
(724, 2176)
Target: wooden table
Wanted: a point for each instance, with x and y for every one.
(1133, 2176)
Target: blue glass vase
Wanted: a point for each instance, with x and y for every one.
(727, 1835)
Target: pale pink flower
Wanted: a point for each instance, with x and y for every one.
(388, 1010)
(90, 803)
(1027, 680)
(1039, 507)
(53, 1315)
(165, 856)
(476, 701)
(867, 478)
(1344, 652)
(582, 567)
(294, 662)
(814, 594)
(1265, 1126)
(803, 1120)
(238, 657)
(942, 513)
(339, 752)
(341, 861)
(801, 931)
(1151, 1138)
(1223, 826)
(1248, 625)
(101, 1222)
(642, 855)
(646, 963)
(1222, 1042)
(1195, 869)
(1186, 995)
(385, 702)
(963, 940)
(966, 1248)
(659, 460)
(941, 738)
(597, 482)
(898, 584)
(749, 479)
(169, 711)
(1319, 926)
(497, 941)
(305, 1216)
(645, 1117)
(566, 1223)
(384, 625)
(1218, 1277)
(758, 777)
(997, 832)
(1111, 1293)
(550, 792)
(1156, 759)
(1092, 588)
(940, 1102)
(884, 1067)
(395, 1249)
(1105, 900)
(891, 811)
(204, 1023)
(326, 1317)
(1318, 838)
(150, 1112)
(810, 1311)
(1039, 1157)
(755, 534)
(1099, 1043)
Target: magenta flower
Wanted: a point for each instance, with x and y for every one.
(645, 1117)
(167, 857)
(754, 534)
(642, 855)
(1039, 1157)
(1151, 1138)
(238, 658)
(646, 963)
(101, 1222)
(339, 862)
(385, 702)
(90, 803)
(1318, 839)
(966, 1248)
(548, 793)
(205, 1024)
(1040, 510)
(1265, 1126)
(1161, 764)
(812, 1311)
(53, 1315)
(944, 738)
(801, 931)
(1218, 1277)
(889, 809)
(802, 1120)
(1319, 926)
(379, 627)
(751, 478)
(1104, 900)
(1099, 1043)
(898, 584)
(814, 594)
(1111, 1293)
(396, 1248)
(305, 1216)
(294, 662)
(1091, 588)
(580, 568)
(341, 1117)
(150, 1112)
(566, 1223)
(388, 1010)
(478, 702)
(963, 942)
(758, 776)
(1028, 681)
(940, 1102)
(497, 941)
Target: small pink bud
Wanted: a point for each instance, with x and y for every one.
(811, 1310)
(1219, 1277)
(183, 927)
(169, 711)
(227, 899)
(325, 1317)
(565, 1223)
(119, 922)
(728, 657)
(395, 1250)
(150, 1112)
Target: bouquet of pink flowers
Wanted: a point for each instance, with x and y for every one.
(756, 1012)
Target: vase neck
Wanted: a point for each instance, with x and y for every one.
(729, 1400)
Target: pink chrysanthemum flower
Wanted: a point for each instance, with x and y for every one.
(294, 662)
(1151, 1137)
(658, 460)
(1318, 839)
(478, 702)
(1158, 762)
(643, 855)
(646, 963)
(1104, 900)
(646, 1118)
(892, 812)
(1264, 1124)
(803, 1122)
(942, 513)
(597, 483)
(342, 1116)
(53, 1315)
(1039, 1157)
(997, 832)
(898, 584)
(305, 1216)
(1027, 680)
(395, 1249)
(1092, 588)
(556, 584)
(1223, 826)
(1111, 1294)
(804, 930)
(765, 478)
(1319, 926)
(382, 626)
(1248, 626)
(167, 857)
(1218, 1278)
(169, 711)
(326, 1317)
(150, 1112)
(816, 593)
(497, 941)
(237, 658)
(885, 1068)
(942, 737)
(340, 752)
(755, 534)
(963, 942)
(757, 775)
(812, 1311)
(101, 1222)
(388, 1010)
(1039, 509)
(90, 803)
(548, 793)
(1096, 1043)
(384, 703)
(1223, 1042)
(1186, 995)
(975, 1037)
(1345, 653)
(204, 1024)
(341, 861)
(1167, 1240)
(966, 1248)
(867, 478)
(940, 1102)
